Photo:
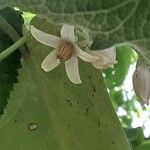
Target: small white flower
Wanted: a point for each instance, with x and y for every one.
(65, 51)
(107, 58)
(141, 83)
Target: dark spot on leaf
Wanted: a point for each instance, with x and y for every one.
(93, 94)
(69, 102)
(94, 88)
(78, 102)
(86, 111)
(89, 77)
(19, 110)
(113, 142)
(101, 112)
(16, 121)
(98, 123)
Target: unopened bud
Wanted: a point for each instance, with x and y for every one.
(141, 83)
(107, 58)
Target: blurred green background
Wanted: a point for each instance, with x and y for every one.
(134, 118)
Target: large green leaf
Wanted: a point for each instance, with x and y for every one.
(9, 66)
(47, 111)
(107, 22)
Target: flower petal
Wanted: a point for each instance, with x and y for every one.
(45, 38)
(67, 32)
(50, 62)
(107, 57)
(72, 70)
(85, 56)
(110, 54)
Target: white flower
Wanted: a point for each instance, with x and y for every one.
(65, 50)
(141, 83)
(107, 57)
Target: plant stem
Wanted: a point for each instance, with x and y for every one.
(15, 37)
(12, 48)
(141, 55)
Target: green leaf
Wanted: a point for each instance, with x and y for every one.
(9, 66)
(145, 145)
(47, 111)
(107, 22)
(135, 137)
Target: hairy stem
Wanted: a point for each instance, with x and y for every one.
(12, 48)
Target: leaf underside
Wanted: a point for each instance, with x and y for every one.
(107, 22)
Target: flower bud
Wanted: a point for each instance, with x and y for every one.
(107, 58)
(141, 83)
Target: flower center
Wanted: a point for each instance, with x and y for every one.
(65, 50)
